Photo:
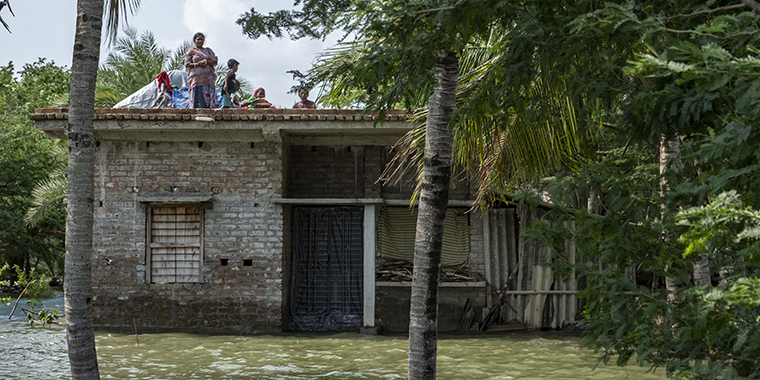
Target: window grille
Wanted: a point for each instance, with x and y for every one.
(328, 262)
(398, 226)
(175, 248)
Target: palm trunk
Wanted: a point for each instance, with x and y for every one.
(434, 198)
(79, 220)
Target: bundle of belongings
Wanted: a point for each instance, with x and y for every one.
(169, 90)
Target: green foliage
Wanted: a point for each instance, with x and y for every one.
(391, 46)
(38, 85)
(134, 62)
(25, 159)
(723, 224)
(34, 286)
(692, 73)
(4, 283)
(49, 195)
(618, 77)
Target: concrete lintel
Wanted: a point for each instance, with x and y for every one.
(271, 134)
(180, 135)
(452, 202)
(345, 139)
(408, 284)
(167, 197)
(327, 201)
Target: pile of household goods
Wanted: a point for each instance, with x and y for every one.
(401, 270)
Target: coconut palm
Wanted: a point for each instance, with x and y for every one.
(398, 61)
(135, 61)
(47, 208)
(49, 195)
(503, 149)
(81, 143)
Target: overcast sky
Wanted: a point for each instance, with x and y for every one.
(45, 28)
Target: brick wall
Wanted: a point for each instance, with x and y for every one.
(333, 171)
(242, 225)
(392, 306)
(350, 172)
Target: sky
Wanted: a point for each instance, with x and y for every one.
(45, 28)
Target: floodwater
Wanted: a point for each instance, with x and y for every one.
(40, 353)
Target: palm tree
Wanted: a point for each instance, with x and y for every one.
(81, 142)
(434, 197)
(48, 195)
(396, 59)
(48, 209)
(135, 61)
(511, 147)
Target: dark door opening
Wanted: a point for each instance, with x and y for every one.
(327, 269)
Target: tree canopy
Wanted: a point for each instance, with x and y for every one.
(622, 77)
(25, 158)
(692, 73)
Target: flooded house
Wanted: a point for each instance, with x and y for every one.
(269, 220)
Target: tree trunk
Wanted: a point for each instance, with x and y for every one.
(668, 148)
(592, 205)
(701, 273)
(434, 198)
(79, 219)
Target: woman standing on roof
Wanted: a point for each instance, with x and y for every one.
(201, 61)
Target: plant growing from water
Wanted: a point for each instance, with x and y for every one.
(34, 285)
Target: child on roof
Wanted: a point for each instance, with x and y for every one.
(231, 85)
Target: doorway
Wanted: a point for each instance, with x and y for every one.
(327, 268)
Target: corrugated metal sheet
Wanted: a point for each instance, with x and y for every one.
(500, 230)
(533, 295)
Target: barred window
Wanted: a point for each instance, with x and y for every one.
(398, 226)
(175, 248)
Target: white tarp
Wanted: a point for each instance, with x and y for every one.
(147, 96)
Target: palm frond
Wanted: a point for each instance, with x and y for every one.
(505, 142)
(177, 56)
(115, 11)
(48, 196)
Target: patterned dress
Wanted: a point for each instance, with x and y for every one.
(201, 79)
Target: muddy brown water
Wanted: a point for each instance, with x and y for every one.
(40, 353)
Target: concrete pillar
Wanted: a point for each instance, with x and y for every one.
(369, 265)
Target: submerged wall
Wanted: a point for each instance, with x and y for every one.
(248, 169)
(234, 182)
(235, 168)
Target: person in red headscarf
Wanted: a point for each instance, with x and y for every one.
(258, 100)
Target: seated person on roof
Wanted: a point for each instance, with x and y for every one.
(305, 102)
(257, 100)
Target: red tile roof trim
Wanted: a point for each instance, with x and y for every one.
(172, 114)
